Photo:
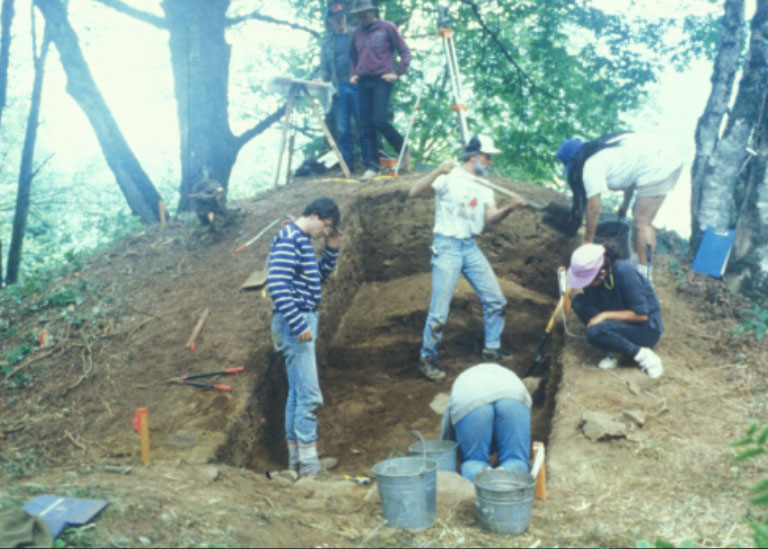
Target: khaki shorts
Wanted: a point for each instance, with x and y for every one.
(660, 188)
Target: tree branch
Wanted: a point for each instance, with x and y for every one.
(521, 73)
(261, 17)
(260, 127)
(141, 15)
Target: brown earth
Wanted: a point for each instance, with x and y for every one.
(67, 429)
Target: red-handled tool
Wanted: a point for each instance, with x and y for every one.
(185, 380)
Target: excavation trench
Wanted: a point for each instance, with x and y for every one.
(372, 317)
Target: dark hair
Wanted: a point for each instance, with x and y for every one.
(576, 177)
(612, 253)
(324, 208)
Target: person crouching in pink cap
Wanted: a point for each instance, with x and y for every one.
(618, 305)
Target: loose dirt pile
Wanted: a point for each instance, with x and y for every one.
(67, 428)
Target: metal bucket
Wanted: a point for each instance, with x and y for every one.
(504, 500)
(408, 489)
(612, 229)
(442, 451)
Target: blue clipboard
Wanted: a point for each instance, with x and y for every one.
(714, 251)
(59, 512)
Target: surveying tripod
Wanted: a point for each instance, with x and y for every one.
(452, 63)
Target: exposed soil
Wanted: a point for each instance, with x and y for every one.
(67, 429)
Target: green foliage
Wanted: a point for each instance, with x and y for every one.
(661, 544)
(756, 322)
(755, 442)
(674, 268)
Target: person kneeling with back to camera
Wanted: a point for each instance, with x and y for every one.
(618, 306)
(489, 410)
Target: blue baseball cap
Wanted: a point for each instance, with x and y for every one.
(567, 151)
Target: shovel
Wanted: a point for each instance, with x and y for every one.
(563, 302)
(552, 207)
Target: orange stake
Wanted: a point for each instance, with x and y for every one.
(539, 471)
(144, 433)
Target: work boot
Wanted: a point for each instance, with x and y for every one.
(609, 362)
(649, 362)
(368, 175)
(428, 366)
(496, 355)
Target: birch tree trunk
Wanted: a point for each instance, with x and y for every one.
(732, 179)
(710, 122)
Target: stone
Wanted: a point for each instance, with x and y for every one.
(182, 439)
(328, 463)
(532, 384)
(635, 416)
(439, 403)
(600, 426)
(209, 473)
(452, 489)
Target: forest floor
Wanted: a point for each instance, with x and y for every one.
(68, 408)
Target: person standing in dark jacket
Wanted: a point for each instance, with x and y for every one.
(372, 51)
(335, 66)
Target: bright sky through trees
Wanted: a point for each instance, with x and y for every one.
(129, 61)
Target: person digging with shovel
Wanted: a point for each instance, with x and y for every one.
(463, 205)
(618, 305)
(623, 161)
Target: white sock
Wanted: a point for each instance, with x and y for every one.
(293, 455)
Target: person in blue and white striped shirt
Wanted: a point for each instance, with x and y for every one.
(295, 282)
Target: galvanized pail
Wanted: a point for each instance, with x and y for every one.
(504, 500)
(612, 229)
(408, 489)
(442, 451)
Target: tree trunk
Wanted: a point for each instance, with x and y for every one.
(6, 17)
(27, 160)
(749, 265)
(708, 127)
(200, 56)
(136, 186)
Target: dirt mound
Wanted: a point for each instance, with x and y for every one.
(67, 410)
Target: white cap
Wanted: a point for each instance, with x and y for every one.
(482, 144)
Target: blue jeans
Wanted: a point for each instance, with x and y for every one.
(455, 256)
(304, 394)
(504, 425)
(346, 106)
(615, 336)
(374, 93)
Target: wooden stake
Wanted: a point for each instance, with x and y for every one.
(539, 470)
(286, 126)
(196, 331)
(161, 211)
(144, 434)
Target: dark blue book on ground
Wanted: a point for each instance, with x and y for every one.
(58, 512)
(714, 250)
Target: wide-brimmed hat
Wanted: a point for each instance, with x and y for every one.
(567, 151)
(335, 10)
(586, 262)
(361, 6)
(482, 144)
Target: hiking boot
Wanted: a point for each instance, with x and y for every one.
(609, 362)
(649, 362)
(368, 175)
(496, 355)
(428, 367)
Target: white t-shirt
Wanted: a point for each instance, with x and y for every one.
(460, 204)
(639, 159)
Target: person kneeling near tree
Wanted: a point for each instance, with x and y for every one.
(618, 305)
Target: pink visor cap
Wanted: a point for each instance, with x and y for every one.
(586, 262)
